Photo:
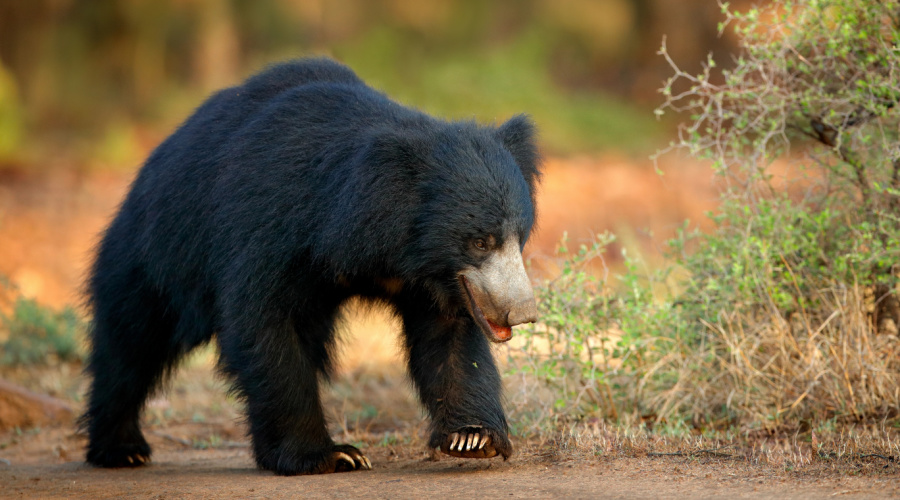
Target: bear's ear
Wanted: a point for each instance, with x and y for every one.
(517, 136)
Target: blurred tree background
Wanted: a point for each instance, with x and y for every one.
(95, 84)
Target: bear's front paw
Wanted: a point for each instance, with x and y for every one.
(476, 442)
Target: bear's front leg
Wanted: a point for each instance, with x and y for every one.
(451, 365)
(277, 371)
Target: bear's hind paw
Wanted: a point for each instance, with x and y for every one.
(341, 458)
(347, 458)
(132, 455)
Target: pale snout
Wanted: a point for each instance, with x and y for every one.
(500, 293)
(522, 312)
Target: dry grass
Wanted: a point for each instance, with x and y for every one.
(769, 370)
(854, 450)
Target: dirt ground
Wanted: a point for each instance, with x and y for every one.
(201, 449)
(50, 466)
(49, 223)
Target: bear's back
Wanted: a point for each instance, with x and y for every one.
(281, 77)
(219, 117)
(162, 211)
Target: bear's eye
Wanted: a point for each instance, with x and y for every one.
(480, 244)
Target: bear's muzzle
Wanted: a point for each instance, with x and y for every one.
(499, 292)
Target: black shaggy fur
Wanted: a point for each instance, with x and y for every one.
(272, 205)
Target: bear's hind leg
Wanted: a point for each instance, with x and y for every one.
(131, 351)
(277, 366)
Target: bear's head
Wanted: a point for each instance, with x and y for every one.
(474, 188)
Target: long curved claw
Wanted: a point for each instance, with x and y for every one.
(340, 455)
(470, 442)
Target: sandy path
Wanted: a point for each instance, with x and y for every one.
(230, 474)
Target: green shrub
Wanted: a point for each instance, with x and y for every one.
(569, 351)
(797, 288)
(34, 334)
(787, 312)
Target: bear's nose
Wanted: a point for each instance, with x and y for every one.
(523, 312)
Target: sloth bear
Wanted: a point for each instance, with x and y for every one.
(273, 204)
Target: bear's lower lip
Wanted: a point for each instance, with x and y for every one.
(500, 333)
(494, 333)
